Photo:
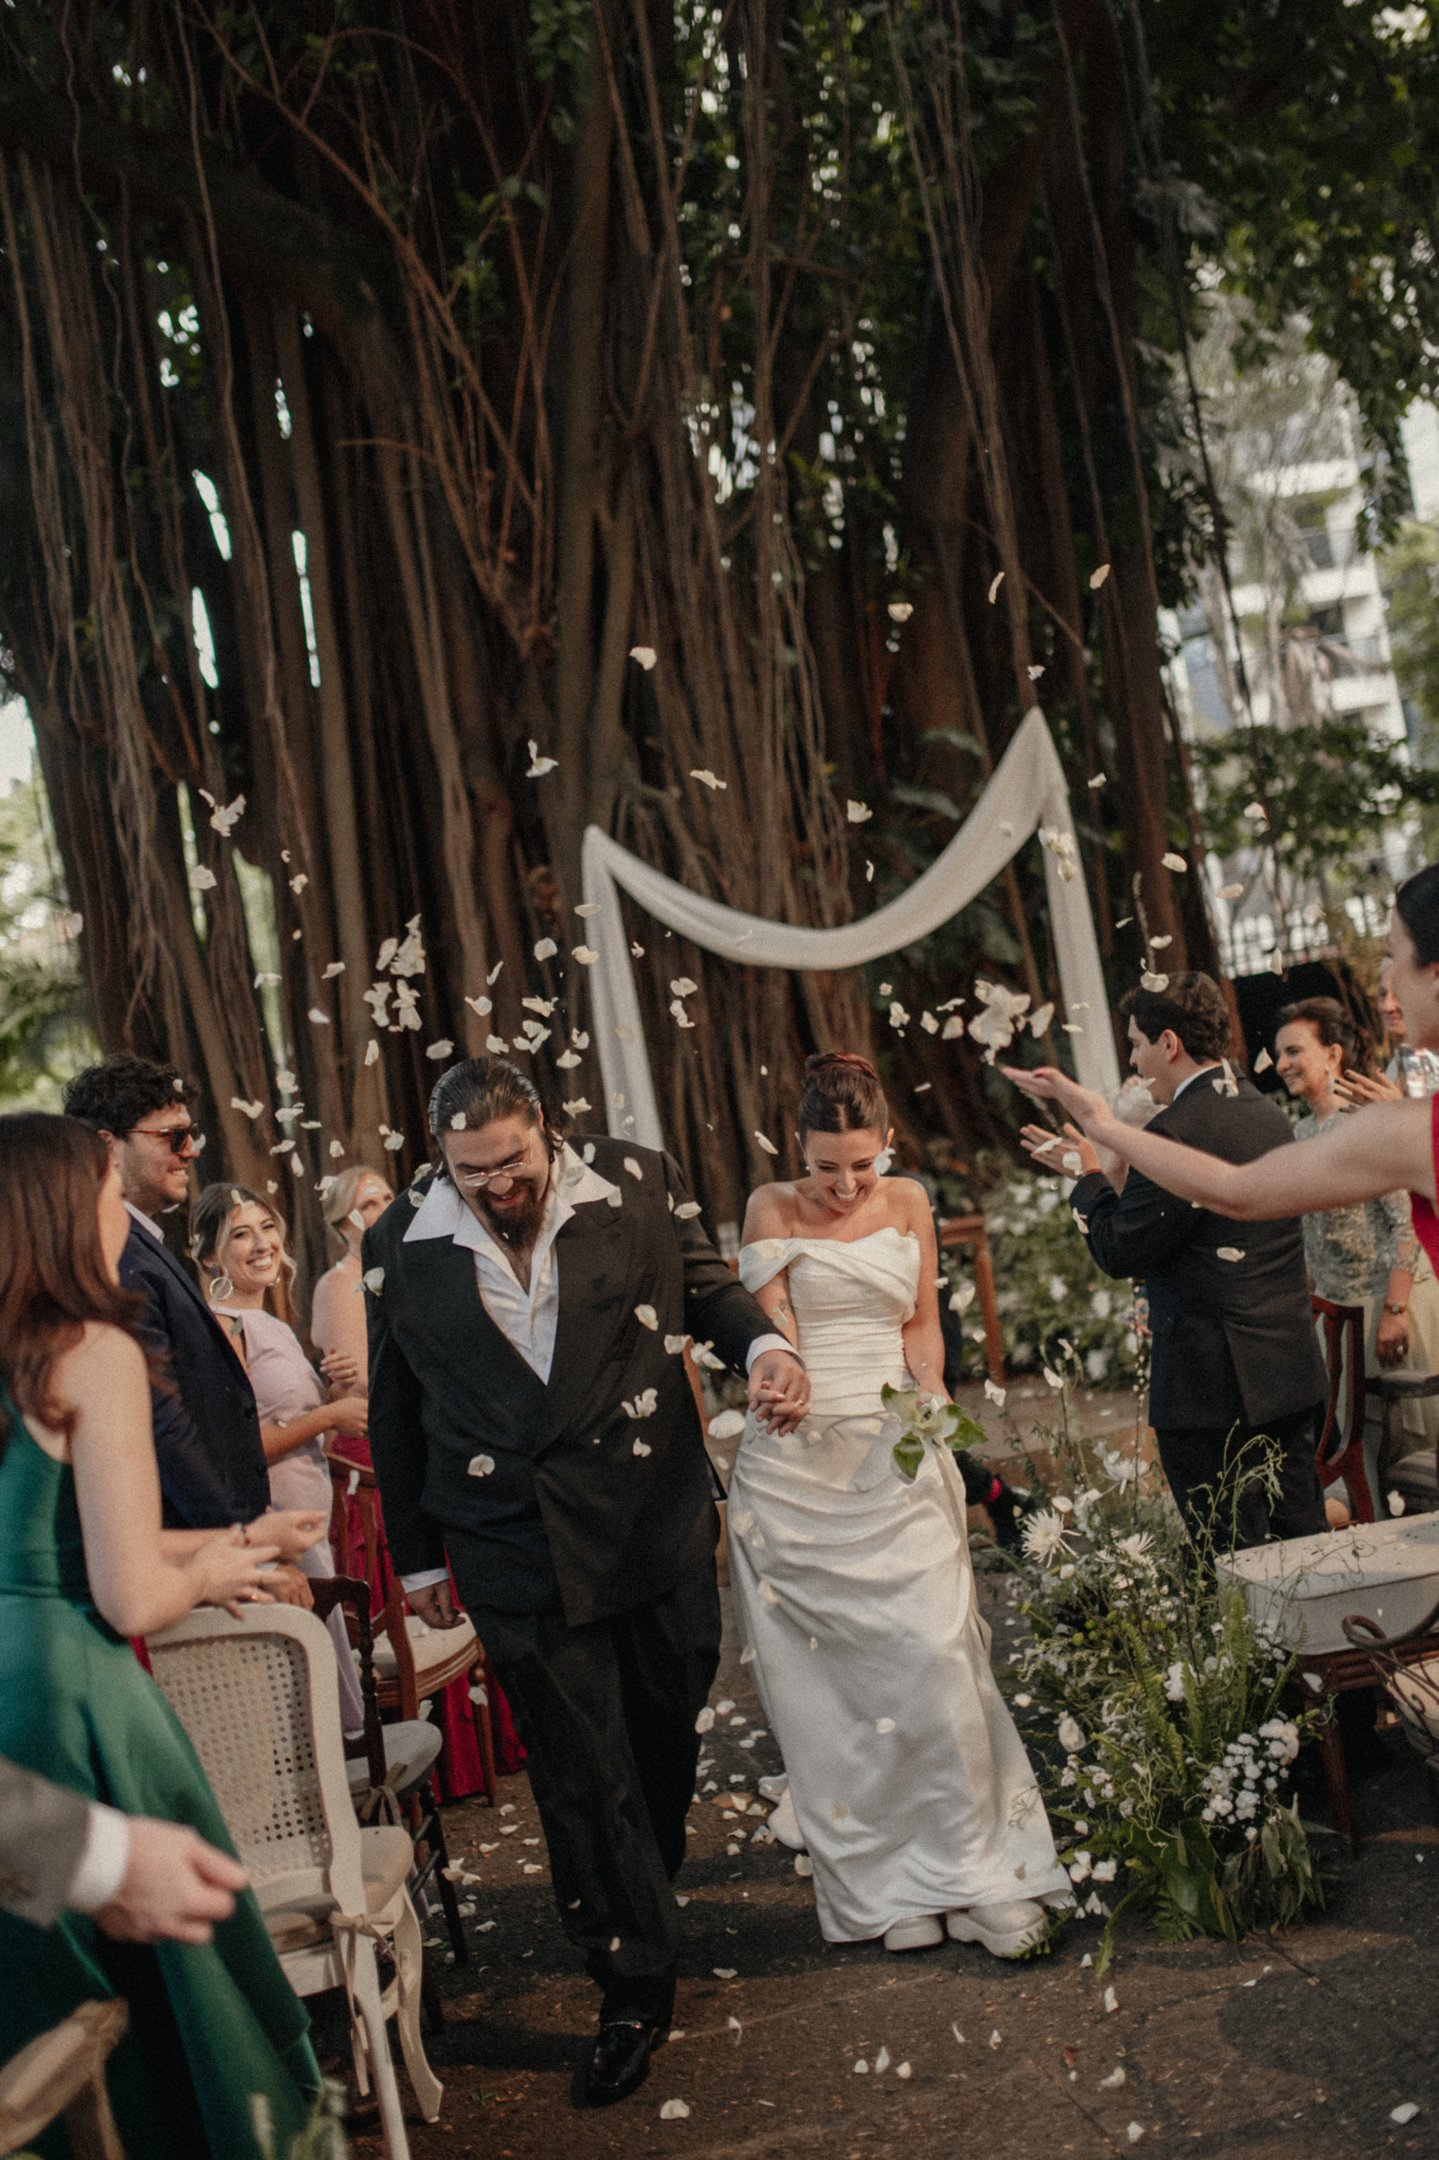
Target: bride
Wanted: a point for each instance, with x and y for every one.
(854, 1589)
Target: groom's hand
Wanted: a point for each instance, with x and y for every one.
(435, 1605)
(778, 1390)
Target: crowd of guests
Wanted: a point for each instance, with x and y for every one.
(164, 1435)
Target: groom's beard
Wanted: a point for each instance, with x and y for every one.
(518, 1225)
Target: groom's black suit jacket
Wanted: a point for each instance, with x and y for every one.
(569, 1503)
(1233, 1340)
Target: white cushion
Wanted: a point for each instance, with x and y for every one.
(433, 1649)
(410, 1751)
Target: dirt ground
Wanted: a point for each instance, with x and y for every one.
(1303, 2045)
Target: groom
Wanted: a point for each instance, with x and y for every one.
(534, 1430)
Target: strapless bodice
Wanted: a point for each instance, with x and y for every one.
(851, 1301)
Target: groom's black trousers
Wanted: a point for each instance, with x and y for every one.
(607, 1715)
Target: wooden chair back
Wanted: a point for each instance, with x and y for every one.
(1341, 1442)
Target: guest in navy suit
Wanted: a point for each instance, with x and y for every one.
(207, 1430)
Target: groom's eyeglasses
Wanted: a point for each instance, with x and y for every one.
(179, 1136)
(477, 1180)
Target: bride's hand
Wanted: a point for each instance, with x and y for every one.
(778, 1390)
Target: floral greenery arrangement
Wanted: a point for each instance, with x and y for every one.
(1050, 1288)
(1172, 1751)
(914, 1420)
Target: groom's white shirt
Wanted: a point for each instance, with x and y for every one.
(527, 1318)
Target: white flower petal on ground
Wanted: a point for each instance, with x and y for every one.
(1111, 2001)
(882, 2060)
(884, 1725)
(539, 766)
(995, 1393)
(1404, 2113)
(705, 1721)
(861, 2068)
(1070, 1734)
(645, 655)
(1118, 2076)
(803, 1865)
(1171, 861)
(857, 813)
(1135, 2132)
(994, 2038)
(903, 2070)
(1097, 577)
(674, 2110)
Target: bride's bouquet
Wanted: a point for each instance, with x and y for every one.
(914, 1421)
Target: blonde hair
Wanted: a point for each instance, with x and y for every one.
(210, 1220)
(342, 1193)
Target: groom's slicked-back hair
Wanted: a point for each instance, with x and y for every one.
(479, 1091)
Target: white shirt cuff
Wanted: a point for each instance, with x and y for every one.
(425, 1578)
(104, 1858)
(761, 1344)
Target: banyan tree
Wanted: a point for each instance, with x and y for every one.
(379, 376)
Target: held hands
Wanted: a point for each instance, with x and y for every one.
(342, 1372)
(228, 1568)
(351, 1414)
(778, 1390)
(435, 1605)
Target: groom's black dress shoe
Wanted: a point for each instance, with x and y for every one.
(618, 2062)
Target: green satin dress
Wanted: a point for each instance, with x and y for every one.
(217, 2039)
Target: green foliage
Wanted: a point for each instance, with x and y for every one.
(913, 1420)
(1409, 570)
(45, 1033)
(1330, 789)
(1166, 1739)
(1052, 1298)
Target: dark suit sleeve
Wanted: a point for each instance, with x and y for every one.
(191, 1473)
(718, 1308)
(1130, 1233)
(42, 1835)
(397, 1436)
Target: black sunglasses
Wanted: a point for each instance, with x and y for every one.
(179, 1136)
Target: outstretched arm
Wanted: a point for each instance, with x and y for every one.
(1375, 1150)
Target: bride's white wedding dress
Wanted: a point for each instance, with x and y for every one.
(855, 1590)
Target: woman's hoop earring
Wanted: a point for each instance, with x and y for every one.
(219, 1289)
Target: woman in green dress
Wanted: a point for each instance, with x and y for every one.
(217, 2040)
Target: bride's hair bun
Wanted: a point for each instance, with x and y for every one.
(841, 1093)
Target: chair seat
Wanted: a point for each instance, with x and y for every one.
(386, 1857)
(1418, 1473)
(440, 1654)
(410, 1751)
(1404, 1386)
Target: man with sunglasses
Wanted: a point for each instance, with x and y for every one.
(207, 1431)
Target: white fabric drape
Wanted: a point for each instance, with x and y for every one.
(1027, 791)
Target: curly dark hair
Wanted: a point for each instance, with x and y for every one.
(1192, 1005)
(116, 1094)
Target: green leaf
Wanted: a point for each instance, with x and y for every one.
(908, 1455)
